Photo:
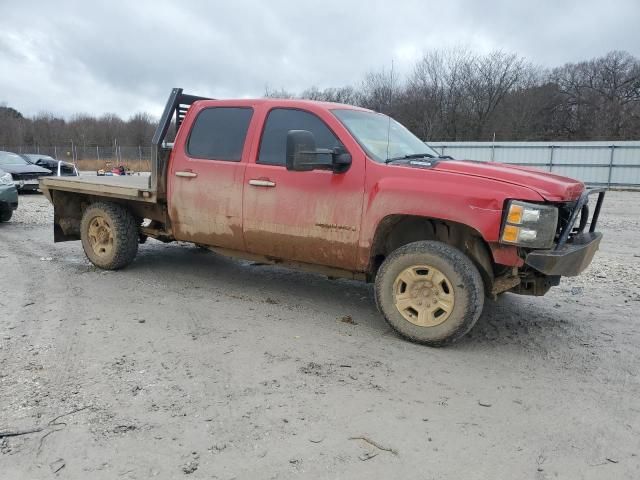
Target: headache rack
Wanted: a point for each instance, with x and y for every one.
(174, 111)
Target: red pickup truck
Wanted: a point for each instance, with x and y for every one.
(344, 191)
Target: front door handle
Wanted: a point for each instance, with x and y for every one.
(186, 174)
(258, 182)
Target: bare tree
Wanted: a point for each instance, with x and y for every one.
(379, 90)
(140, 128)
(281, 93)
(487, 81)
(12, 126)
(600, 97)
(346, 95)
(436, 89)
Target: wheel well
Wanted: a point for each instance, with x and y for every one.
(396, 231)
(69, 207)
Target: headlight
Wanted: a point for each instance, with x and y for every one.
(6, 179)
(529, 224)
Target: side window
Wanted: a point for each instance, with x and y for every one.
(273, 146)
(219, 133)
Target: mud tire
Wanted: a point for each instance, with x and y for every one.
(462, 274)
(124, 232)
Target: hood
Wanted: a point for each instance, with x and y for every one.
(25, 169)
(550, 186)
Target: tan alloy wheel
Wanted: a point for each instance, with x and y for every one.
(100, 236)
(423, 295)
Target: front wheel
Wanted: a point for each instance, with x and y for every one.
(109, 235)
(429, 292)
(5, 215)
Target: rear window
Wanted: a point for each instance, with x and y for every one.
(219, 133)
(8, 158)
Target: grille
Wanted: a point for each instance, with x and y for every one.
(565, 210)
(28, 176)
(564, 214)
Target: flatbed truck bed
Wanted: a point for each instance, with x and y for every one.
(130, 187)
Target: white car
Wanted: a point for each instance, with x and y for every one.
(57, 167)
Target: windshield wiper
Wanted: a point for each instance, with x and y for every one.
(408, 157)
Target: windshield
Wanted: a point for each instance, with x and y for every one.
(8, 158)
(382, 137)
(34, 157)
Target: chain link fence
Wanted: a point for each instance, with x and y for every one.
(95, 157)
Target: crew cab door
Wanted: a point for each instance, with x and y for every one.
(311, 217)
(205, 177)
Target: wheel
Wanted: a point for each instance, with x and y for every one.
(109, 235)
(429, 292)
(5, 215)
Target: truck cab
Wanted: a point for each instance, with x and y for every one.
(345, 191)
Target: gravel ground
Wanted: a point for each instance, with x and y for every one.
(192, 365)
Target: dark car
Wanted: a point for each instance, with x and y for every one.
(25, 175)
(57, 167)
(8, 196)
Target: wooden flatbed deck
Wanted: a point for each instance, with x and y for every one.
(133, 187)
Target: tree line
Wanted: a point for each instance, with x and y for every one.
(460, 95)
(81, 130)
(452, 94)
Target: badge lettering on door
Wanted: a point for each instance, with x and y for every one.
(336, 226)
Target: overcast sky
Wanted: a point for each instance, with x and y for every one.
(124, 56)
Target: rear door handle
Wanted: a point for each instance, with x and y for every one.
(256, 182)
(186, 174)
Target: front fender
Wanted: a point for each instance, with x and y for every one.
(475, 202)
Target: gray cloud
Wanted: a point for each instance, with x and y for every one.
(123, 56)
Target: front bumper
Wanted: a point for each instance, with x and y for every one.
(569, 260)
(575, 248)
(27, 185)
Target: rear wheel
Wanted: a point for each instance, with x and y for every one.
(5, 215)
(109, 235)
(429, 292)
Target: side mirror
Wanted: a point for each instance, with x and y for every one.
(303, 156)
(341, 160)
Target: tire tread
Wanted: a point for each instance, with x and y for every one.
(126, 233)
(461, 264)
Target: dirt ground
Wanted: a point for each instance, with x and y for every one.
(190, 365)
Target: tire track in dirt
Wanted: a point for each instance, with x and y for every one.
(48, 299)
